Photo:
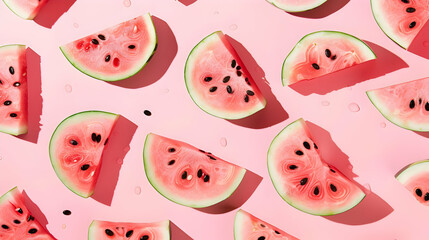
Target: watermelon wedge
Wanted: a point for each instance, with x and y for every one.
(13, 90)
(187, 175)
(296, 6)
(415, 178)
(218, 82)
(99, 230)
(16, 220)
(114, 53)
(76, 149)
(303, 179)
(401, 20)
(321, 53)
(247, 226)
(405, 104)
(26, 9)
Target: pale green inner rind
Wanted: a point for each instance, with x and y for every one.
(19, 12)
(238, 225)
(150, 174)
(10, 194)
(71, 120)
(298, 8)
(417, 168)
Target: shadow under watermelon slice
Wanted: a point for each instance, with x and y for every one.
(420, 44)
(52, 11)
(324, 10)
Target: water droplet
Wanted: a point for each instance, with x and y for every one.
(63, 226)
(223, 142)
(137, 190)
(367, 188)
(233, 27)
(165, 90)
(68, 88)
(120, 161)
(127, 3)
(426, 43)
(350, 166)
(326, 103)
(76, 25)
(189, 177)
(353, 107)
(1, 157)
(216, 12)
(382, 125)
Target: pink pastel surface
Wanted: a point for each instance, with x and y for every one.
(264, 35)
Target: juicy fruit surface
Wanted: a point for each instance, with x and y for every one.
(115, 53)
(26, 9)
(415, 178)
(76, 149)
(100, 230)
(321, 53)
(13, 89)
(296, 5)
(247, 226)
(218, 81)
(16, 220)
(405, 104)
(187, 175)
(401, 20)
(303, 179)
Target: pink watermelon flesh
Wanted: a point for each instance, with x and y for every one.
(76, 149)
(405, 104)
(16, 220)
(296, 5)
(13, 89)
(218, 81)
(247, 227)
(415, 178)
(114, 53)
(401, 20)
(26, 9)
(303, 179)
(100, 230)
(187, 175)
(321, 53)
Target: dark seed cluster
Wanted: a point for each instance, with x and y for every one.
(96, 137)
(413, 104)
(419, 193)
(410, 10)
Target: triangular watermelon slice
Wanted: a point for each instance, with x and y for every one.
(13, 90)
(187, 175)
(415, 178)
(296, 6)
(99, 230)
(16, 221)
(76, 149)
(114, 53)
(26, 9)
(247, 227)
(405, 104)
(303, 179)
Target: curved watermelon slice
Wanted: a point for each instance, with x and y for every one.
(405, 104)
(303, 179)
(16, 220)
(416, 178)
(296, 5)
(99, 230)
(218, 82)
(247, 226)
(401, 20)
(26, 9)
(76, 149)
(114, 53)
(13, 90)
(321, 53)
(187, 175)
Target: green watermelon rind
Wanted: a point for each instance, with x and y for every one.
(327, 213)
(12, 192)
(412, 170)
(92, 228)
(134, 71)
(297, 9)
(237, 224)
(369, 52)
(81, 115)
(197, 204)
(16, 11)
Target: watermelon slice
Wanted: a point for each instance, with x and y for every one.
(296, 5)
(218, 81)
(76, 149)
(26, 9)
(114, 53)
(401, 20)
(321, 53)
(13, 90)
(405, 104)
(187, 175)
(16, 220)
(247, 226)
(303, 179)
(415, 178)
(99, 230)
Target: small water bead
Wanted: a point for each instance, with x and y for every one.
(76, 25)
(120, 161)
(63, 226)
(325, 103)
(137, 190)
(223, 142)
(350, 166)
(382, 125)
(126, 3)
(216, 13)
(68, 88)
(233, 27)
(367, 188)
(353, 107)
(165, 90)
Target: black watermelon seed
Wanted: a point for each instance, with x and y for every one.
(332, 170)
(19, 210)
(208, 79)
(108, 232)
(229, 89)
(293, 167)
(94, 137)
(303, 181)
(315, 66)
(238, 68)
(411, 10)
(316, 191)
(131, 46)
(32, 231)
(263, 225)
(420, 101)
(211, 157)
(101, 37)
(412, 104)
(129, 233)
(11, 70)
(17, 84)
(13, 115)
(206, 178)
(1, 82)
(247, 81)
(261, 238)
(5, 226)
(328, 53)
(307, 145)
(98, 138)
(427, 197)
(202, 151)
(406, 1)
(84, 167)
(30, 218)
(67, 212)
(200, 173)
(246, 98)
(299, 153)
(7, 103)
(213, 89)
(171, 150)
(145, 237)
(233, 63)
(73, 142)
(277, 232)
(427, 106)
(315, 146)
(105, 142)
(95, 41)
(147, 113)
(334, 57)
(171, 162)
(250, 93)
(107, 58)
(419, 192)
(16, 221)
(412, 24)
(333, 188)
(226, 79)
(239, 73)
(184, 175)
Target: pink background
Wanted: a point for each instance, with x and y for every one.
(264, 35)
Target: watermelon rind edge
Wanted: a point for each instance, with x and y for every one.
(292, 10)
(402, 175)
(31, 17)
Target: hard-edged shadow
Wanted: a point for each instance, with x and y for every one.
(420, 44)
(326, 9)
(386, 62)
(273, 113)
(187, 2)
(177, 233)
(35, 210)
(116, 149)
(34, 84)
(52, 11)
(246, 188)
(423, 134)
(160, 61)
